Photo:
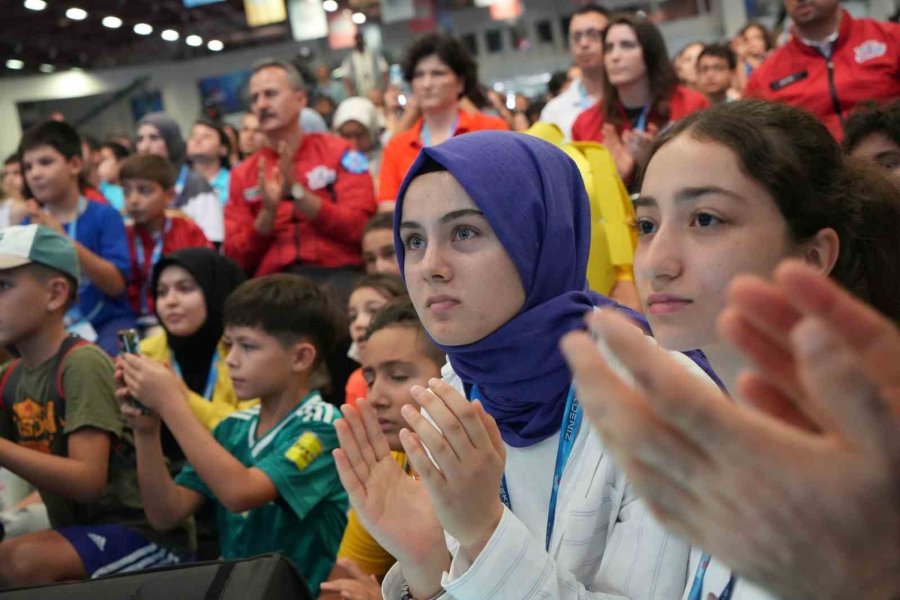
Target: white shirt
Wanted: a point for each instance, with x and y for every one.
(565, 108)
(205, 209)
(605, 542)
(717, 575)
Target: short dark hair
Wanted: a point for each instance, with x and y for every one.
(150, 167)
(219, 128)
(59, 135)
(382, 220)
(660, 72)
(719, 51)
(450, 51)
(591, 7)
(389, 286)
(556, 82)
(90, 141)
(288, 307)
(400, 312)
(12, 158)
(869, 118)
(118, 150)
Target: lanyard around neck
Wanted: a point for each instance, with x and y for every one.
(697, 587)
(210, 379)
(571, 424)
(426, 132)
(146, 267)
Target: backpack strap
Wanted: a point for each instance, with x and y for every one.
(71, 343)
(8, 384)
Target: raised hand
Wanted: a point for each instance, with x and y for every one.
(394, 507)
(469, 455)
(271, 186)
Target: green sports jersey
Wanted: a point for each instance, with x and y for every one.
(307, 520)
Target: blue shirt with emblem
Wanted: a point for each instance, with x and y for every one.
(307, 520)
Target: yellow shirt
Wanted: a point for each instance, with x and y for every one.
(358, 545)
(223, 402)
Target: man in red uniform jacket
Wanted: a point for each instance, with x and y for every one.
(832, 63)
(299, 204)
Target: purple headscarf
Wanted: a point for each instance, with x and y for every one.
(533, 196)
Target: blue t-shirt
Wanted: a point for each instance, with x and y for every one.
(114, 194)
(221, 183)
(100, 229)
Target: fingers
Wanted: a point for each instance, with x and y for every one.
(768, 398)
(352, 569)
(492, 429)
(350, 443)
(355, 421)
(420, 461)
(866, 331)
(463, 422)
(376, 437)
(428, 436)
(833, 374)
(354, 486)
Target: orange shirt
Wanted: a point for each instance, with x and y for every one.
(404, 147)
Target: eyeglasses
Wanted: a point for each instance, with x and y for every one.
(592, 35)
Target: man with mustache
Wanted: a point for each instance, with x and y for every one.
(300, 203)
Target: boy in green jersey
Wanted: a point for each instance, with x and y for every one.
(268, 468)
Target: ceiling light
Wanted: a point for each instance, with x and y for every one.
(330, 5)
(215, 45)
(76, 14)
(193, 40)
(170, 35)
(112, 22)
(14, 64)
(45, 68)
(143, 29)
(359, 18)
(35, 4)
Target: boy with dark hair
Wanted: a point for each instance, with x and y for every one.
(378, 251)
(872, 133)
(716, 66)
(60, 429)
(148, 182)
(269, 469)
(51, 162)
(399, 354)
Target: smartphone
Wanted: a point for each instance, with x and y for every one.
(130, 343)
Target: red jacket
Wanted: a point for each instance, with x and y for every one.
(178, 232)
(588, 127)
(326, 165)
(865, 65)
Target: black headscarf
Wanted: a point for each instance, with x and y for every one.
(217, 276)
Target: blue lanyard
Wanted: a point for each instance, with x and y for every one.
(145, 268)
(426, 133)
(697, 586)
(641, 124)
(571, 424)
(585, 101)
(182, 178)
(211, 378)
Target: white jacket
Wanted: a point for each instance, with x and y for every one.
(605, 542)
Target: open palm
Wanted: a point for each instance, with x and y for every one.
(394, 508)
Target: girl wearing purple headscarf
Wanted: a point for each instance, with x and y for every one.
(492, 233)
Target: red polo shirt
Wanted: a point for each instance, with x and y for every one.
(404, 147)
(864, 65)
(325, 165)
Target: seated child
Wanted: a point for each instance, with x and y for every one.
(369, 294)
(148, 182)
(61, 431)
(51, 162)
(269, 468)
(399, 354)
(378, 252)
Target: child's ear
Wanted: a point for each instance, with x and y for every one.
(303, 356)
(75, 164)
(59, 294)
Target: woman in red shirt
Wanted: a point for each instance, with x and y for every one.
(440, 72)
(641, 94)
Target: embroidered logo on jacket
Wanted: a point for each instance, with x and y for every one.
(320, 177)
(868, 50)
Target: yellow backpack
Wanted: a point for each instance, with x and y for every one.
(613, 239)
